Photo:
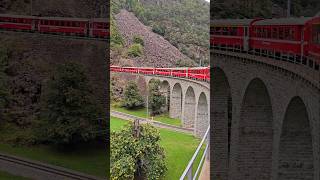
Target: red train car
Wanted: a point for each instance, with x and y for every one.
(180, 72)
(147, 70)
(66, 26)
(99, 27)
(312, 48)
(19, 23)
(231, 33)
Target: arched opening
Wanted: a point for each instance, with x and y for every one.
(189, 108)
(202, 121)
(176, 101)
(165, 90)
(255, 133)
(221, 115)
(295, 153)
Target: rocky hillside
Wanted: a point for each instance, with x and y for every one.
(157, 51)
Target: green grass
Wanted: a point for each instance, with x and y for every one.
(92, 160)
(179, 148)
(8, 176)
(164, 118)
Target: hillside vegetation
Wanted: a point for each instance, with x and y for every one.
(184, 23)
(263, 9)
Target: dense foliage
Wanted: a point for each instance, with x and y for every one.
(4, 90)
(156, 99)
(263, 9)
(136, 154)
(71, 112)
(132, 96)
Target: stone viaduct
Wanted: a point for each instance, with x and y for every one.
(264, 118)
(187, 99)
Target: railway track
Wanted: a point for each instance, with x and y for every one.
(45, 171)
(154, 123)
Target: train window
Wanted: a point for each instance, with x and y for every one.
(275, 33)
(316, 34)
(246, 31)
(287, 33)
(281, 33)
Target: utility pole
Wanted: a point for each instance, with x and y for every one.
(288, 8)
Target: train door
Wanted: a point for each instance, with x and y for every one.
(91, 27)
(246, 38)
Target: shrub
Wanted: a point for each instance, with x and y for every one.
(132, 97)
(135, 50)
(161, 30)
(136, 153)
(138, 40)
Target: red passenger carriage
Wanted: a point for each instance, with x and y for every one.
(99, 27)
(16, 22)
(67, 26)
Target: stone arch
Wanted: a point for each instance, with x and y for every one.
(176, 101)
(202, 121)
(255, 133)
(221, 115)
(295, 150)
(189, 108)
(165, 90)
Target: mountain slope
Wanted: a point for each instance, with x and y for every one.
(158, 52)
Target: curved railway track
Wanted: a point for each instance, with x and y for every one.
(130, 117)
(50, 171)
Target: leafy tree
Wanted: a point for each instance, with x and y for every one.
(132, 97)
(115, 36)
(137, 154)
(156, 99)
(135, 50)
(71, 111)
(138, 40)
(4, 90)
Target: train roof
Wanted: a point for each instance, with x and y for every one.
(64, 18)
(100, 20)
(234, 22)
(284, 21)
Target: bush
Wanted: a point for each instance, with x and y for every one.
(135, 50)
(161, 30)
(71, 113)
(137, 154)
(156, 99)
(138, 40)
(132, 97)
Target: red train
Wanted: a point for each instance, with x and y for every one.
(295, 40)
(97, 28)
(198, 73)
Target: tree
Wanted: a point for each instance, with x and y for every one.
(136, 153)
(156, 99)
(132, 97)
(71, 112)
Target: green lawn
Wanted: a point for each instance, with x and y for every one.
(87, 160)
(179, 148)
(164, 118)
(7, 176)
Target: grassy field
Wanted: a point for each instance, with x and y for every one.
(7, 176)
(164, 118)
(179, 148)
(87, 160)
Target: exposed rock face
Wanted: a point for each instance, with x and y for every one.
(158, 52)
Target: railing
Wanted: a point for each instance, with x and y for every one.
(188, 172)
